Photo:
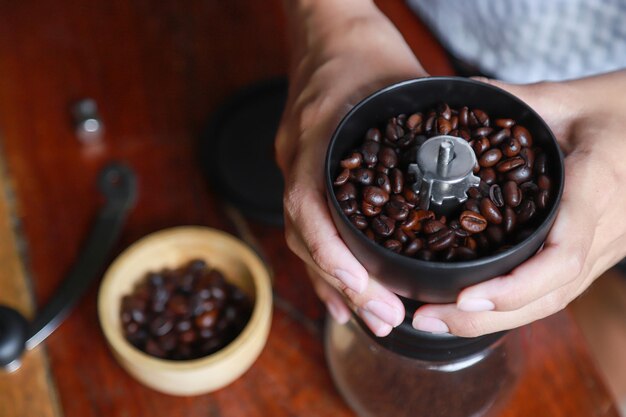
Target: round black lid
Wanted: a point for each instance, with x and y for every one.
(237, 150)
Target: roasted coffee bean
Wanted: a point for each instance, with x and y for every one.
(509, 220)
(523, 135)
(465, 253)
(481, 132)
(401, 119)
(423, 215)
(342, 177)
(370, 234)
(472, 222)
(512, 194)
(463, 116)
(207, 320)
(382, 181)
(526, 211)
(481, 117)
(541, 162)
(359, 221)
(413, 246)
(393, 131)
(393, 245)
(364, 176)
(414, 122)
(495, 234)
(480, 145)
(520, 175)
(454, 121)
(472, 204)
(374, 135)
(370, 151)
(388, 157)
(490, 158)
(460, 232)
(425, 255)
(381, 169)
(511, 148)
(488, 175)
(441, 240)
(542, 198)
(397, 210)
(529, 189)
(499, 137)
(152, 348)
(430, 122)
(490, 212)
(444, 110)
(375, 196)
(161, 325)
(411, 196)
(407, 140)
(482, 243)
(383, 225)
(353, 161)
(397, 181)
(529, 156)
(432, 226)
(449, 254)
(510, 164)
(401, 236)
(504, 123)
(370, 210)
(495, 194)
(463, 134)
(349, 207)
(543, 182)
(443, 126)
(412, 222)
(474, 192)
(345, 192)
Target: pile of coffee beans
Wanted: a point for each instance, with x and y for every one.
(375, 189)
(185, 313)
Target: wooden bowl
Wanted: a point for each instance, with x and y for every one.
(172, 248)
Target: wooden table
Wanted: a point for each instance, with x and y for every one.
(158, 70)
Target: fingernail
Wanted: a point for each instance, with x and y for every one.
(475, 305)
(376, 325)
(385, 312)
(354, 283)
(337, 313)
(430, 324)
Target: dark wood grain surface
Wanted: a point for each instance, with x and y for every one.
(158, 70)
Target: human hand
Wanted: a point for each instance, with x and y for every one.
(342, 52)
(589, 234)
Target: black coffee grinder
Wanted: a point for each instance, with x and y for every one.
(411, 372)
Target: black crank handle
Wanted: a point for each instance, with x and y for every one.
(119, 186)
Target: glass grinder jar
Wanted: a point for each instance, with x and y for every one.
(409, 372)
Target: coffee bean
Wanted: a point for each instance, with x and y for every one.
(472, 222)
(519, 175)
(397, 210)
(411, 196)
(481, 117)
(543, 182)
(353, 161)
(463, 116)
(382, 181)
(480, 145)
(425, 255)
(393, 131)
(397, 181)
(529, 189)
(152, 348)
(526, 211)
(465, 253)
(393, 245)
(364, 176)
(541, 162)
(374, 135)
(414, 246)
(523, 135)
(430, 122)
(161, 325)
(383, 225)
(512, 194)
(495, 234)
(370, 210)
(481, 132)
(375, 196)
(509, 220)
(388, 157)
(495, 194)
(370, 151)
(472, 204)
(487, 175)
(529, 156)
(441, 240)
(414, 121)
(443, 126)
(359, 221)
(444, 110)
(474, 192)
(504, 123)
(401, 236)
(432, 226)
(511, 148)
(490, 158)
(510, 163)
(449, 255)
(342, 177)
(542, 199)
(489, 210)
(345, 192)
(349, 207)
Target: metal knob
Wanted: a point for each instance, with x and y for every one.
(87, 122)
(443, 172)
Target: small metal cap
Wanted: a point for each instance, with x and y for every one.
(87, 122)
(443, 171)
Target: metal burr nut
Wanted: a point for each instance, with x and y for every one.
(443, 172)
